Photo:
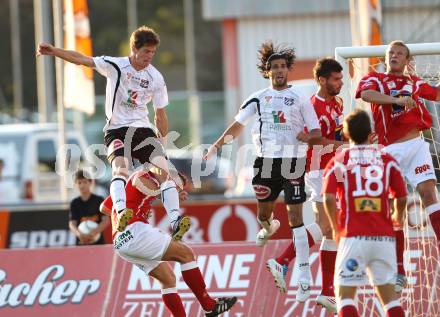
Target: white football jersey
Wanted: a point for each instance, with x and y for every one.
(129, 91)
(281, 115)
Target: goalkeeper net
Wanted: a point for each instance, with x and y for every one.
(421, 258)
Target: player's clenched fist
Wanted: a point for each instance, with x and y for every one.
(45, 49)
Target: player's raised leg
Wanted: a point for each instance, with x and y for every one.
(117, 187)
(267, 222)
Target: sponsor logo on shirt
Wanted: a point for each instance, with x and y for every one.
(268, 98)
(288, 101)
(144, 83)
(367, 204)
(421, 169)
(279, 122)
(278, 117)
(131, 100)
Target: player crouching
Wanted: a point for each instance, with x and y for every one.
(363, 177)
(146, 247)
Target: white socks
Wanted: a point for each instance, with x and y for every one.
(301, 244)
(117, 192)
(170, 200)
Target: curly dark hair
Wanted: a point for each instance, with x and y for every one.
(268, 52)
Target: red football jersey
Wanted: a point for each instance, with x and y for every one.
(391, 122)
(136, 201)
(330, 115)
(364, 179)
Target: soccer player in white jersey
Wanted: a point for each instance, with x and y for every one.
(364, 178)
(132, 82)
(329, 109)
(280, 113)
(399, 116)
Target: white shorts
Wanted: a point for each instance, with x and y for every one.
(314, 180)
(414, 159)
(142, 245)
(358, 256)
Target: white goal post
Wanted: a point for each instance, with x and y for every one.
(344, 54)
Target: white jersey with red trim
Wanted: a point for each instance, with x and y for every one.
(129, 91)
(281, 115)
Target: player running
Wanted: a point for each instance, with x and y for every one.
(132, 83)
(363, 177)
(146, 247)
(281, 112)
(399, 116)
(329, 109)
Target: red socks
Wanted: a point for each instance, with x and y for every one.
(347, 308)
(400, 248)
(434, 216)
(193, 278)
(327, 259)
(394, 309)
(173, 302)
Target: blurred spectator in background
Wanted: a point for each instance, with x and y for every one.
(86, 207)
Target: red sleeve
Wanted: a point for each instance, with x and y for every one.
(108, 203)
(397, 184)
(330, 181)
(426, 91)
(369, 82)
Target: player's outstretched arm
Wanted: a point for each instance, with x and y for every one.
(230, 134)
(67, 55)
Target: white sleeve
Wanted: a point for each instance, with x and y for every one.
(309, 115)
(160, 97)
(101, 65)
(247, 111)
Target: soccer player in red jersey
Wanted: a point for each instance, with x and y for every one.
(146, 247)
(399, 116)
(329, 109)
(364, 178)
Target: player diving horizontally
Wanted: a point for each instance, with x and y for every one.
(147, 247)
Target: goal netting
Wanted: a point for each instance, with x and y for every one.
(421, 258)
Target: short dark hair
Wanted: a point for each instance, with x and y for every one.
(268, 52)
(144, 35)
(324, 67)
(357, 126)
(81, 174)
